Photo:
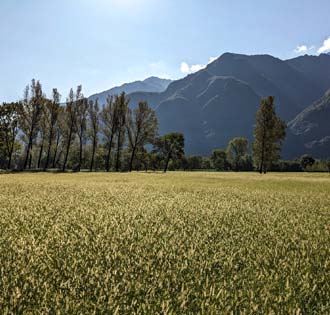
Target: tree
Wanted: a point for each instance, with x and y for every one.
(170, 147)
(59, 131)
(142, 128)
(269, 134)
(219, 160)
(121, 107)
(30, 111)
(206, 163)
(306, 160)
(69, 125)
(236, 150)
(42, 133)
(81, 105)
(194, 162)
(109, 127)
(52, 110)
(8, 129)
(93, 114)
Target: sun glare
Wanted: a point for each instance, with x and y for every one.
(124, 3)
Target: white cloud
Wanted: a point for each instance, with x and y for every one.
(186, 69)
(303, 49)
(212, 59)
(325, 48)
(300, 49)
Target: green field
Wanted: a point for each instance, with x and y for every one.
(176, 243)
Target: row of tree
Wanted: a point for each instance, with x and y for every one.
(41, 133)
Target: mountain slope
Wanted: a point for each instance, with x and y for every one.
(309, 132)
(152, 84)
(219, 102)
(317, 68)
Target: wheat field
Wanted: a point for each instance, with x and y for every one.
(176, 243)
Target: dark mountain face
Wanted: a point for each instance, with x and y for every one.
(316, 68)
(220, 102)
(267, 75)
(309, 132)
(152, 85)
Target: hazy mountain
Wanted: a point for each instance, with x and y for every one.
(309, 132)
(219, 102)
(315, 68)
(152, 84)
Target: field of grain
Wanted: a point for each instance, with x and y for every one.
(179, 243)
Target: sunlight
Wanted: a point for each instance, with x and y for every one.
(125, 4)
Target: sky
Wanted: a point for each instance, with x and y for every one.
(104, 43)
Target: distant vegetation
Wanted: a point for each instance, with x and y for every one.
(38, 133)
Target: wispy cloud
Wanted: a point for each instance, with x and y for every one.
(300, 49)
(325, 47)
(303, 49)
(187, 69)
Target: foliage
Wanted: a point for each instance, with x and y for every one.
(8, 133)
(236, 150)
(170, 147)
(286, 166)
(269, 134)
(306, 160)
(142, 128)
(219, 160)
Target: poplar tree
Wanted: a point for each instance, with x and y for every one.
(93, 114)
(8, 130)
(108, 127)
(121, 107)
(81, 106)
(269, 134)
(51, 114)
(142, 128)
(30, 111)
(70, 117)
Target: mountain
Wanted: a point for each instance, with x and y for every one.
(309, 132)
(219, 102)
(314, 68)
(152, 84)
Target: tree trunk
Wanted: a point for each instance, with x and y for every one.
(27, 155)
(67, 150)
(40, 152)
(167, 161)
(30, 160)
(49, 147)
(107, 164)
(118, 151)
(132, 159)
(93, 154)
(262, 163)
(55, 151)
(80, 153)
(10, 157)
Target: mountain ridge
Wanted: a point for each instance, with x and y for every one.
(150, 84)
(210, 106)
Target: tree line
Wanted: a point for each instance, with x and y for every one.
(40, 133)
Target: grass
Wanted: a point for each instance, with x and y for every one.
(180, 243)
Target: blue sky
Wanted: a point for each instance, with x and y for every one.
(102, 43)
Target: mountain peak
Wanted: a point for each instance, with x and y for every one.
(151, 84)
